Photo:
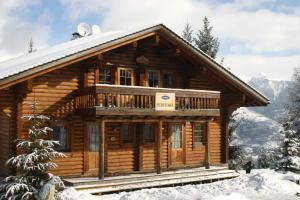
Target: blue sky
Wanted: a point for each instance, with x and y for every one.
(258, 36)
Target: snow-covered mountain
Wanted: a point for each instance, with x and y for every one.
(257, 129)
(276, 90)
(254, 131)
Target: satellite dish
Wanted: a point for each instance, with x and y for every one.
(96, 29)
(83, 29)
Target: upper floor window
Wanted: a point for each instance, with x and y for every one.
(167, 81)
(153, 78)
(148, 133)
(104, 75)
(199, 131)
(60, 134)
(125, 76)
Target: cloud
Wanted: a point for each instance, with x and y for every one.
(16, 31)
(280, 67)
(256, 30)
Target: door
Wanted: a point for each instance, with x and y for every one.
(176, 145)
(93, 146)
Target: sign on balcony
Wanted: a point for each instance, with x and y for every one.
(165, 101)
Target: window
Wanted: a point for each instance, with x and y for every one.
(148, 133)
(176, 136)
(199, 130)
(126, 134)
(104, 75)
(126, 76)
(153, 78)
(167, 81)
(93, 132)
(60, 134)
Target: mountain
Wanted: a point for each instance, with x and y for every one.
(254, 131)
(276, 90)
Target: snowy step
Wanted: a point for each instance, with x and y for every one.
(93, 181)
(155, 181)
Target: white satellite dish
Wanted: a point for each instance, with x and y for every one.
(83, 29)
(96, 29)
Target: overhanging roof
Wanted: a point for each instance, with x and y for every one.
(17, 69)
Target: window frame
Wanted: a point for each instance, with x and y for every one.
(197, 144)
(158, 78)
(67, 127)
(132, 75)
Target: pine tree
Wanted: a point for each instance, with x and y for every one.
(289, 150)
(30, 46)
(206, 41)
(187, 33)
(35, 158)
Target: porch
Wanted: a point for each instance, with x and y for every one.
(129, 129)
(150, 180)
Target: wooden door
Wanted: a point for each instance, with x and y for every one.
(176, 145)
(93, 146)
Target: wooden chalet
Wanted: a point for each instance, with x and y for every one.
(142, 100)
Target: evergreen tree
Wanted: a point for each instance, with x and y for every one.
(206, 41)
(35, 158)
(289, 150)
(31, 46)
(187, 33)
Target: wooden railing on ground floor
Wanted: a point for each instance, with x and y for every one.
(126, 98)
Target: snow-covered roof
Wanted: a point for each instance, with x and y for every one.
(13, 70)
(44, 56)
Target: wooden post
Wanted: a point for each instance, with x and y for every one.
(101, 149)
(207, 146)
(159, 142)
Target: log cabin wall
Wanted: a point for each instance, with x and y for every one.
(7, 127)
(53, 94)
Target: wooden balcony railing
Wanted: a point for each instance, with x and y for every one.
(115, 100)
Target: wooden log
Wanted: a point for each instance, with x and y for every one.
(159, 144)
(101, 150)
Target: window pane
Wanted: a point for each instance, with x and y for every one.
(125, 77)
(153, 77)
(60, 134)
(93, 132)
(148, 133)
(198, 134)
(167, 81)
(176, 136)
(126, 133)
(104, 75)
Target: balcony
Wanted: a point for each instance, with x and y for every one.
(109, 100)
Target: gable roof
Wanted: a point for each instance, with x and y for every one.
(14, 70)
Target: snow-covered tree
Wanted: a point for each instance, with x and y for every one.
(206, 41)
(289, 149)
(35, 158)
(187, 33)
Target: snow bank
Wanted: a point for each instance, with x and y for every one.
(259, 185)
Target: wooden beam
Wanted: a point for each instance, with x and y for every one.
(101, 149)
(159, 144)
(207, 146)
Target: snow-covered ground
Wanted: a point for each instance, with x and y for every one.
(263, 184)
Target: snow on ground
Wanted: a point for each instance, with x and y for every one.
(263, 184)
